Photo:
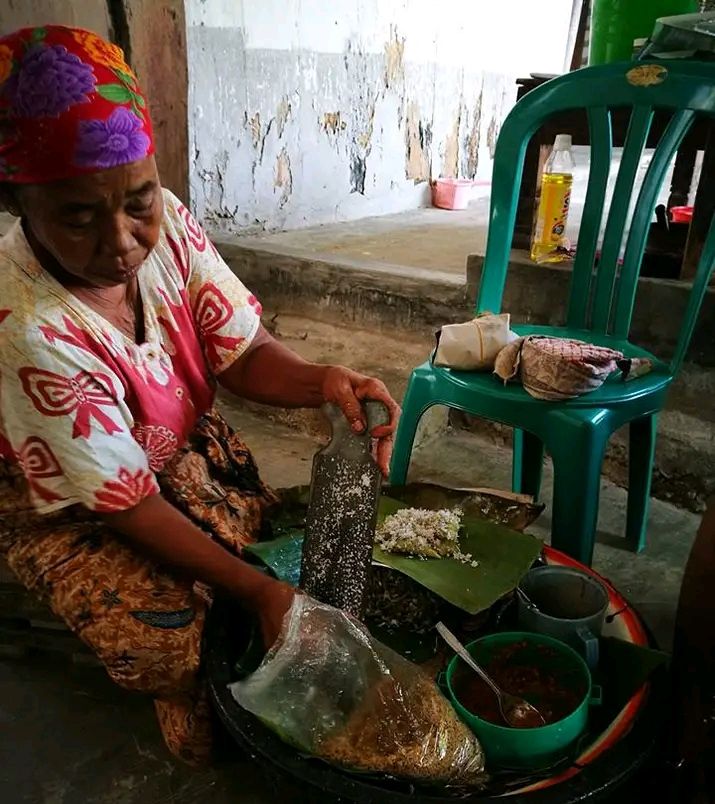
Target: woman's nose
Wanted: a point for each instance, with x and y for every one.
(117, 238)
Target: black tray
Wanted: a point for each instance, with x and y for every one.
(227, 635)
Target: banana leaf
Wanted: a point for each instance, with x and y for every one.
(622, 669)
(516, 511)
(504, 556)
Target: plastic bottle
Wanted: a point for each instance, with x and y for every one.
(549, 243)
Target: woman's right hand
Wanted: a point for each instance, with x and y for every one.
(162, 531)
(271, 606)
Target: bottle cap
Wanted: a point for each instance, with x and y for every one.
(562, 142)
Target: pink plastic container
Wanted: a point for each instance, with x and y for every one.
(681, 214)
(452, 193)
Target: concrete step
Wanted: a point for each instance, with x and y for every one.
(342, 290)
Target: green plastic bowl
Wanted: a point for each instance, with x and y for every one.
(528, 748)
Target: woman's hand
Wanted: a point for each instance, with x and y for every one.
(272, 374)
(157, 528)
(348, 390)
(271, 606)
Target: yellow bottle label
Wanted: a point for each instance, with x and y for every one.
(552, 215)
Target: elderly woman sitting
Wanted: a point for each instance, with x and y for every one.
(124, 496)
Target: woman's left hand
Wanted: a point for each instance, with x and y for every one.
(347, 389)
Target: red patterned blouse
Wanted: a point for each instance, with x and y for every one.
(87, 413)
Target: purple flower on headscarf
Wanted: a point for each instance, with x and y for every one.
(117, 140)
(50, 80)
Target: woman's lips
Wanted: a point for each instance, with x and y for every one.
(128, 273)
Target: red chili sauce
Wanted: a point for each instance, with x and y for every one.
(556, 695)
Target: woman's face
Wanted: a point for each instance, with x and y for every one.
(100, 227)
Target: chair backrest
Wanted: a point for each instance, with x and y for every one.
(602, 300)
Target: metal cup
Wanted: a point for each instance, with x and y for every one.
(564, 603)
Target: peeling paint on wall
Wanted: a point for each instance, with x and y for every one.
(418, 137)
(283, 112)
(332, 123)
(358, 169)
(394, 59)
(254, 126)
(362, 98)
(470, 162)
(333, 115)
(364, 138)
(450, 156)
(283, 177)
(492, 133)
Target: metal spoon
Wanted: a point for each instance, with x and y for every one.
(513, 709)
(526, 599)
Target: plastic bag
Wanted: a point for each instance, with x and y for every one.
(331, 690)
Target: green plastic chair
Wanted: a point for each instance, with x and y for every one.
(601, 301)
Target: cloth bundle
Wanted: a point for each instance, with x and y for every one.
(549, 368)
(560, 368)
(473, 345)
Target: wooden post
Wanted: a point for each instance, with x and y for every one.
(577, 34)
(703, 211)
(154, 37)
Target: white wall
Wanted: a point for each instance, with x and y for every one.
(304, 112)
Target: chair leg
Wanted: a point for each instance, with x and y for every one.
(413, 407)
(642, 437)
(578, 456)
(527, 463)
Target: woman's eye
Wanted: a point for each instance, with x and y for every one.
(141, 206)
(78, 223)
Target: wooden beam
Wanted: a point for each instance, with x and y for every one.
(154, 34)
(703, 211)
(576, 34)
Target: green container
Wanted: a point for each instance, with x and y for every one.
(541, 747)
(615, 24)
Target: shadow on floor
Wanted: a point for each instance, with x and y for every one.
(68, 735)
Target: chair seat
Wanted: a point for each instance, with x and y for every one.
(613, 391)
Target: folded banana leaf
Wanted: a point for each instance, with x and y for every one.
(504, 556)
(516, 511)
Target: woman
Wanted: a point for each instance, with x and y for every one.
(124, 497)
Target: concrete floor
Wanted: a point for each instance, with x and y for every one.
(430, 238)
(68, 736)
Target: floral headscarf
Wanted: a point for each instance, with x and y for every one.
(69, 104)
